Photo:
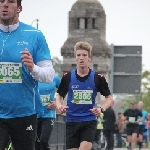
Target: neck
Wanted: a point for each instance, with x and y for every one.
(82, 71)
(9, 22)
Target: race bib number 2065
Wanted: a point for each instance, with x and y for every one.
(10, 72)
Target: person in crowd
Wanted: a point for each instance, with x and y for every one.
(120, 124)
(142, 124)
(99, 131)
(24, 60)
(81, 86)
(145, 136)
(9, 145)
(46, 119)
(131, 115)
(99, 127)
(109, 127)
(148, 121)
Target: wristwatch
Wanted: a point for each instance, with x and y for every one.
(102, 109)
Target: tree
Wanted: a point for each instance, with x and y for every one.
(146, 81)
(146, 90)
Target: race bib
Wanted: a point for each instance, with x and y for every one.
(132, 119)
(82, 96)
(10, 72)
(45, 99)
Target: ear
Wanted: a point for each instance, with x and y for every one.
(19, 9)
(90, 58)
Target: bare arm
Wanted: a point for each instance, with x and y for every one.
(140, 120)
(61, 108)
(108, 102)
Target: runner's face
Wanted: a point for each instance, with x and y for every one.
(133, 105)
(140, 106)
(82, 58)
(8, 11)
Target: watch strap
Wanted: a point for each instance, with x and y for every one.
(102, 109)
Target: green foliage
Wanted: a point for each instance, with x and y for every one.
(146, 100)
(128, 99)
(146, 90)
(146, 81)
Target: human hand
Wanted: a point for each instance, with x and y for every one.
(137, 122)
(96, 111)
(126, 121)
(62, 109)
(52, 105)
(145, 122)
(27, 59)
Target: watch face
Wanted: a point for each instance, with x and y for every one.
(102, 110)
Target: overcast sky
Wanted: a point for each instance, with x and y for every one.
(127, 22)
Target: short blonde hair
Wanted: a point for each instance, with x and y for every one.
(84, 46)
(141, 103)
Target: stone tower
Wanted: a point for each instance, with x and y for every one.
(87, 22)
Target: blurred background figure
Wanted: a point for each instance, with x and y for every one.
(99, 141)
(145, 137)
(149, 126)
(142, 123)
(120, 123)
(46, 121)
(109, 126)
(148, 123)
(131, 120)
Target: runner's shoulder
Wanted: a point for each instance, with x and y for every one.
(99, 76)
(66, 75)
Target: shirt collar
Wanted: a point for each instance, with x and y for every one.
(9, 28)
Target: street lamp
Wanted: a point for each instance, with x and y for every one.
(37, 23)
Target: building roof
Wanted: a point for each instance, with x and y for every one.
(91, 4)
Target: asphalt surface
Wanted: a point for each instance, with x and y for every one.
(127, 149)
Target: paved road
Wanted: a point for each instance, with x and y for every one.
(134, 149)
(126, 149)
